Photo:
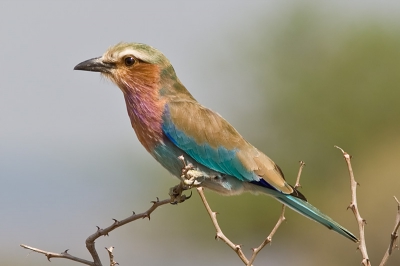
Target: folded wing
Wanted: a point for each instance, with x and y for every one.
(212, 141)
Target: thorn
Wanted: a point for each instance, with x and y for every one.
(351, 206)
(48, 257)
(66, 251)
(98, 228)
(133, 213)
(155, 201)
(364, 221)
(358, 184)
(216, 237)
(115, 221)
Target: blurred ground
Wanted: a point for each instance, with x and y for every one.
(294, 79)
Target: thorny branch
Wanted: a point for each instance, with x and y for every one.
(62, 255)
(269, 237)
(393, 237)
(90, 241)
(189, 180)
(238, 248)
(220, 234)
(361, 222)
(354, 207)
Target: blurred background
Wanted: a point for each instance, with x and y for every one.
(294, 78)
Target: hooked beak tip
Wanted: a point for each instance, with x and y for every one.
(95, 65)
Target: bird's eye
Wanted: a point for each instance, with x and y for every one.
(129, 61)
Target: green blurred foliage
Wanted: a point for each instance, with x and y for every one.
(335, 85)
(338, 84)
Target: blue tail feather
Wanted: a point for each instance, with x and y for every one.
(313, 213)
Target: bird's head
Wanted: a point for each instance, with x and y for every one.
(131, 66)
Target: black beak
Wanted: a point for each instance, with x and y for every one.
(95, 65)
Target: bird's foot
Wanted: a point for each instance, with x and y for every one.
(193, 178)
(176, 193)
(190, 176)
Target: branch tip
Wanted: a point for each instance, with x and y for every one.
(398, 202)
(337, 147)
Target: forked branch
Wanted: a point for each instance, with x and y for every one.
(238, 248)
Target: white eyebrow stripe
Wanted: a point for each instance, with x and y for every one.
(135, 53)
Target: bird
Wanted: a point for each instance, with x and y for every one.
(171, 125)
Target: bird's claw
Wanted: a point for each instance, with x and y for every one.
(176, 194)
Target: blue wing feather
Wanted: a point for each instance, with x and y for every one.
(218, 159)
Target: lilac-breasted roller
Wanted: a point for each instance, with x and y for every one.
(169, 122)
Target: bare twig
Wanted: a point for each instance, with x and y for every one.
(220, 234)
(302, 164)
(62, 255)
(90, 245)
(354, 207)
(269, 238)
(393, 237)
